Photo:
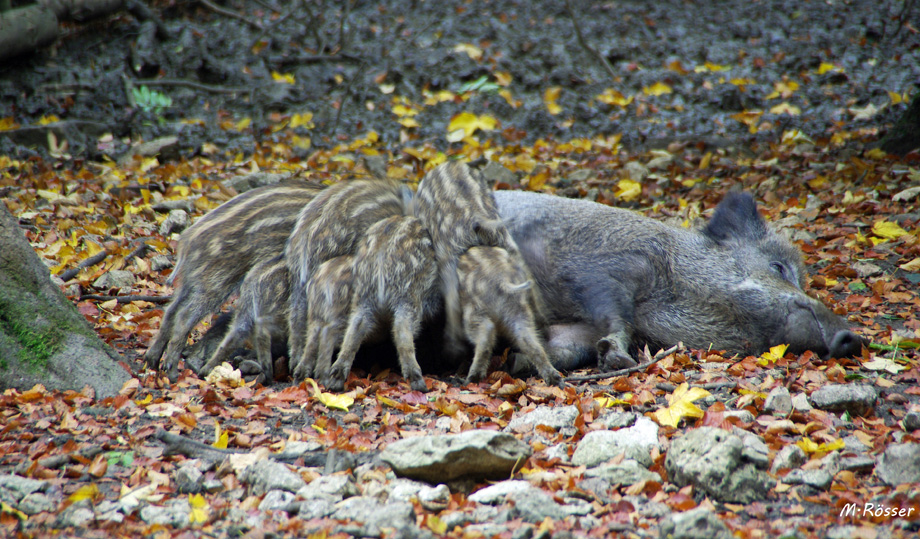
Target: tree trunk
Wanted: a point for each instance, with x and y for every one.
(43, 339)
(904, 137)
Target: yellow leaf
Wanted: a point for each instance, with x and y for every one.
(408, 122)
(436, 525)
(741, 83)
(795, 136)
(772, 355)
(388, 401)
(786, 108)
(550, 95)
(286, 78)
(704, 162)
(302, 120)
(888, 230)
(609, 402)
(145, 401)
(471, 50)
(680, 405)
(242, 124)
(199, 512)
(49, 119)
(470, 123)
(504, 92)
(339, 402)
(809, 446)
(502, 78)
(825, 67)
(876, 153)
(10, 510)
(221, 439)
(8, 124)
(86, 492)
(895, 97)
(613, 97)
(303, 143)
(628, 190)
(659, 88)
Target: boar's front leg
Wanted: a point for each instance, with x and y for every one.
(360, 325)
(612, 352)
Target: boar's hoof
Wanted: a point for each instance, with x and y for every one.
(611, 356)
(846, 344)
(552, 378)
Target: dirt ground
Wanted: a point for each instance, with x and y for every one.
(817, 67)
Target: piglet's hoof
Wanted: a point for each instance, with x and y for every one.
(418, 384)
(334, 382)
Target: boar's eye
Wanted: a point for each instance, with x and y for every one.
(781, 270)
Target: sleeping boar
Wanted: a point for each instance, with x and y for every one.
(613, 280)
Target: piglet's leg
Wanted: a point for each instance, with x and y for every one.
(360, 325)
(405, 325)
(482, 333)
(526, 340)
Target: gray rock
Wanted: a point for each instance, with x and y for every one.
(710, 459)
(494, 172)
(267, 475)
(860, 463)
(75, 515)
(166, 147)
(315, 508)
(114, 279)
(175, 513)
(831, 463)
(628, 472)
(434, 498)
(699, 523)
(531, 504)
(445, 457)
(636, 171)
(818, 479)
(555, 418)
(176, 221)
(743, 415)
(212, 485)
(334, 487)
(293, 450)
(251, 181)
(755, 449)
(602, 445)
(559, 451)
(160, 262)
(373, 517)
(37, 502)
(900, 463)
(778, 402)
(188, 479)
(109, 511)
(857, 399)
(617, 420)
(167, 206)
(276, 500)
(789, 457)
(800, 403)
(912, 421)
(20, 487)
(866, 269)
(457, 518)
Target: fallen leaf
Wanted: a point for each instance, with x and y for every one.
(774, 354)
(469, 123)
(680, 405)
(471, 50)
(884, 364)
(199, 511)
(338, 402)
(659, 88)
(550, 96)
(628, 190)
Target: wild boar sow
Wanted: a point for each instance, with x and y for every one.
(613, 280)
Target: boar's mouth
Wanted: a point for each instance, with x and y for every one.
(812, 326)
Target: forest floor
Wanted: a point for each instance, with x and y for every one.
(660, 107)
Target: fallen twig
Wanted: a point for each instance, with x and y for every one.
(226, 12)
(338, 113)
(127, 299)
(581, 41)
(193, 85)
(56, 461)
(600, 376)
(91, 261)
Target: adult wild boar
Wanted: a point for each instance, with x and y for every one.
(613, 280)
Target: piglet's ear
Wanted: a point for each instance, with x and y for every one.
(736, 218)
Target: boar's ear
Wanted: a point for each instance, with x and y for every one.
(736, 217)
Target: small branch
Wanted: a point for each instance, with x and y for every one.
(711, 386)
(338, 113)
(127, 299)
(226, 12)
(613, 374)
(314, 59)
(57, 461)
(584, 44)
(89, 262)
(193, 85)
(273, 24)
(180, 445)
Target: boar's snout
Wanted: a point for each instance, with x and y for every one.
(812, 326)
(846, 344)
